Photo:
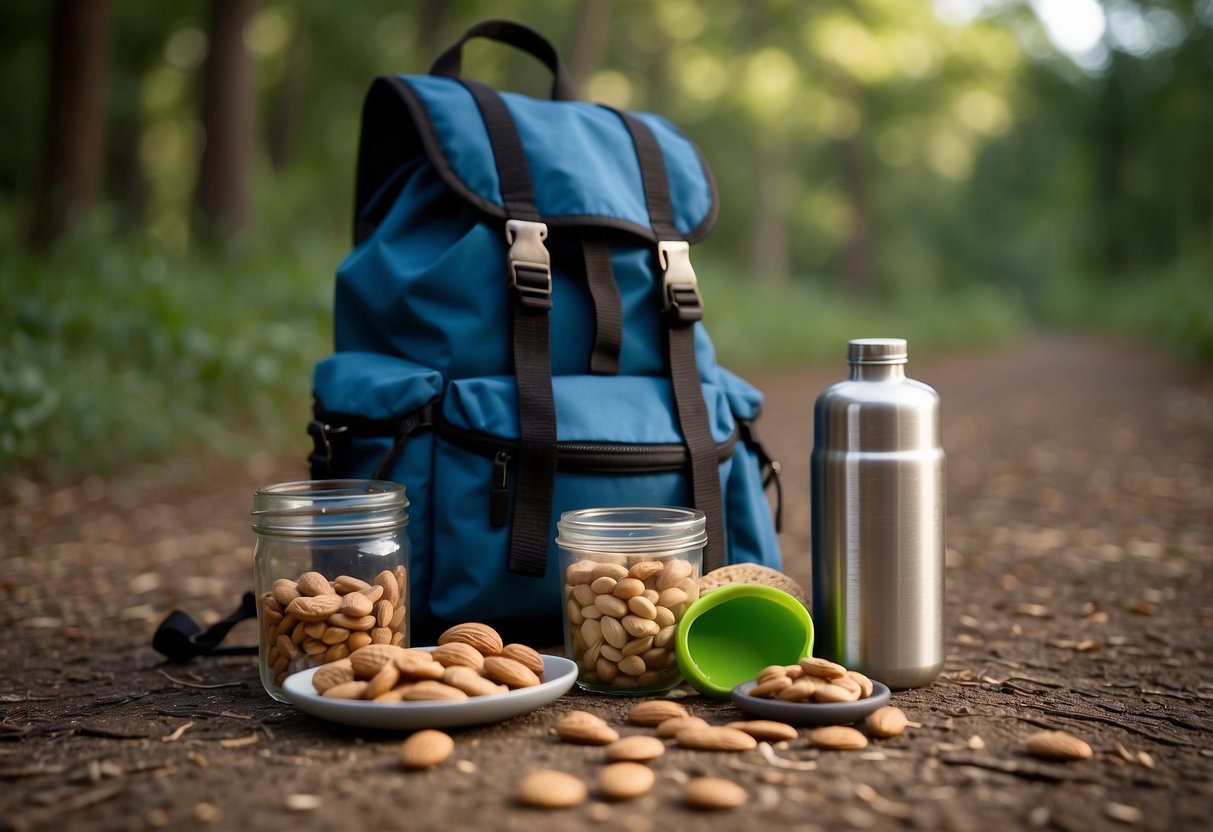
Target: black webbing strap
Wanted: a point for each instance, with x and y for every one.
(512, 169)
(179, 638)
(696, 430)
(681, 308)
(608, 307)
(653, 176)
(450, 62)
(531, 281)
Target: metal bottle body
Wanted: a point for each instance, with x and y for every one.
(878, 520)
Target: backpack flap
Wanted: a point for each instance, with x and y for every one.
(584, 169)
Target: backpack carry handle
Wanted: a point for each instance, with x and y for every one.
(450, 62)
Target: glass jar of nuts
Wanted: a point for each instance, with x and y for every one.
(330, 569)
(629, 576)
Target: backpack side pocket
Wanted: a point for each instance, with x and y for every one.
(373, 419)
(752, 531)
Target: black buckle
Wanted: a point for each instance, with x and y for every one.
(533, 287)
(683, 304)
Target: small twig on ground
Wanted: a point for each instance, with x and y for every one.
(178, 731)
(24, 697)
(768, 754)
(174, 680)
(1040, 682)
(240, 742)
(9, 730)
(106, 733)
(118, 699)
(1028, 771)
(57, 806)
(1109, 721)
(30, 771)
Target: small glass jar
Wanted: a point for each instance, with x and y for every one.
(330, 572)
(629, 576)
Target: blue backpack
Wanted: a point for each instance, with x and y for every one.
(517, 335)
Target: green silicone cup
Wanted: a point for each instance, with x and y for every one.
(732, 633)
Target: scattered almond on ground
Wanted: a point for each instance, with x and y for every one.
(625, 781)
(670, 728)
(711, 793)
(550, 789)
(636, 749)
(1059, 746)
(837, 737)
(585, 728)
(425, 749)
(766, 730)
(888, 721)
(653, 712)
(715, 738)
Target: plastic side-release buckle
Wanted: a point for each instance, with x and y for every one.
(530, 263)
(680, 287)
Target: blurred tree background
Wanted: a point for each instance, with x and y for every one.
(176, 182)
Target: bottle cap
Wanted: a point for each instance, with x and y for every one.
(877, 351)
(729, 635)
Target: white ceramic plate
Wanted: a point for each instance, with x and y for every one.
(809, 713)
(560, 674)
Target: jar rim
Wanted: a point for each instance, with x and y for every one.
(632, 529)
(329, 507)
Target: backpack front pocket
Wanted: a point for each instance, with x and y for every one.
(618, 444)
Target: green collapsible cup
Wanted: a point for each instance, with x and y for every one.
(729, 635)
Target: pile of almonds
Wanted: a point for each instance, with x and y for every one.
(622, 618)
(470, 660)
(312, 620)
(626, 774)
(811, 680)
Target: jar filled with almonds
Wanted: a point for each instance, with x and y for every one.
(629, 576)
(331, 572)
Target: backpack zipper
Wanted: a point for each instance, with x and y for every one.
(584, 457)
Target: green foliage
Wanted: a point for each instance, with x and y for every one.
(1170, 309)
(760, 327)
(114, 351)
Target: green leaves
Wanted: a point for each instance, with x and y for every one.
(114, 352)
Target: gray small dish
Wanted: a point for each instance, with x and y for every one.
(809, 713)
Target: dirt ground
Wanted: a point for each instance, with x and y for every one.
(1080, 597)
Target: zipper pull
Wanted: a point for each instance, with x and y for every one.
(499, 494)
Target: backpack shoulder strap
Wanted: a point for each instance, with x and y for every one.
(682, 306)
(530, 272)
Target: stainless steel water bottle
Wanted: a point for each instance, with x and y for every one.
(878, 519)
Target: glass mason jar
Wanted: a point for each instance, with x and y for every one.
(330, 572)
(629, 576)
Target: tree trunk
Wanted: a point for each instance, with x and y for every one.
(858, 256)
(589, 39)
(228, 119)
(770, 254)
(1109, 151)
(289, 102)
(75, 117)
